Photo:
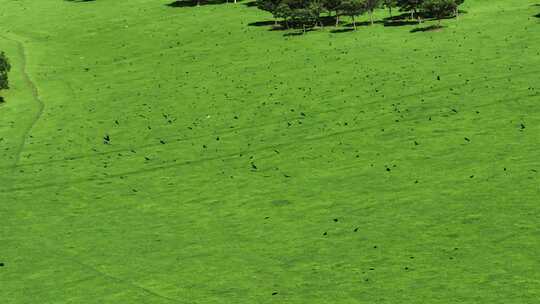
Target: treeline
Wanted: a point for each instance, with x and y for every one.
(311, 13)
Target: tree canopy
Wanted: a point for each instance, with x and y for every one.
(308, 13)
(5, 67)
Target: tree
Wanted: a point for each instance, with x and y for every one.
(5, 67)
(333, 6)
(304, 17)
(304, 13)
(284, 11)
(439, 8)
(353, 8)
(271, 6)
(458, 3)
(389, 4)
(412, 6)
(370, 6)
(316, 7)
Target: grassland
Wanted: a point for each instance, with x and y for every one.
(245, 166)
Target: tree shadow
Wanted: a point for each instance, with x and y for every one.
(193, 3)
(342, 30)
(403, 16)
(262, 23)
(430, 28)
(250, 4)
(297, 33)
(293, 34)
(365, 23)
(399, 22)
(281, 25)
(405, 19)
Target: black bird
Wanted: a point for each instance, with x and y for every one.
(162, 142)
(467, 139)
(522, 126)
(253, 166)
(106, 139)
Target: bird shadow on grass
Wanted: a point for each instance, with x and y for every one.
(194, 3)
(431, 28)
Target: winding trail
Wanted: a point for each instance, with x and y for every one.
(35, 95)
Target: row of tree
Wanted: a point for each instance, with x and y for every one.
(308, 13)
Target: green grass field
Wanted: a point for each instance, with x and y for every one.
(245, 166)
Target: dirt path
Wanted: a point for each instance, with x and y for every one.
(35, 95)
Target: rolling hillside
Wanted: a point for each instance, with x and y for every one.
(248, 166)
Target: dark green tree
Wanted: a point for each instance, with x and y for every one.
(271, 6)
(284, 11)
(439, 8)
(316, 7)
(370, 6)
(390, 4)
(301, 13)
(5, 67)
(332, 6)
(353, 8)
(412, 6)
